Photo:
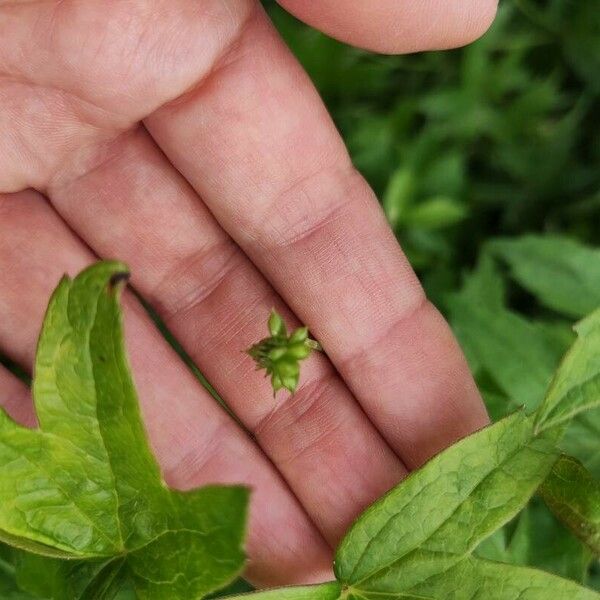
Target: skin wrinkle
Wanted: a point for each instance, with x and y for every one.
(312, 398)
(297, 400)
(354, 362)
(208, 267)
(183, 472)
(230, 332)
(300, 230)
(77, 135)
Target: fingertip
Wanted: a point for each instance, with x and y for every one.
(477, 22)
(394, 27)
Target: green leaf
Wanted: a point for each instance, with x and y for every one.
(536, 538)
(440, 513)
(517, 355)
(574, 496)
(55, 579)
(576, 385)
(435, 213)
(514, 351)
(581, 440)
(324, 591)
(563, 274)
(9, 590)
(86, 482)
(476, 579)
(485, 285)
(398, 196)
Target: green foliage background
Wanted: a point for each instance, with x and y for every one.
(498, 139)
(503, 136)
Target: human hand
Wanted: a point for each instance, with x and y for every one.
(182, 137)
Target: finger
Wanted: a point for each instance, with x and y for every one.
(136, 206)
(196, 442)
(258, 146)
(15, 398)
(398, 26)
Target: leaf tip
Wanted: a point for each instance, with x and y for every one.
(121, 277)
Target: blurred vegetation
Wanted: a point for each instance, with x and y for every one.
(499, 138)
(487, 162)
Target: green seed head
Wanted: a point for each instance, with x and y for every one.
(280, 355)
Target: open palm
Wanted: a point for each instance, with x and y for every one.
(182, 137)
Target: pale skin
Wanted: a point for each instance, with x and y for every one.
(182, 137)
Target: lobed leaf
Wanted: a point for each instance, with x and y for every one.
(56, 484)
(508, 352)
(86, 482)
